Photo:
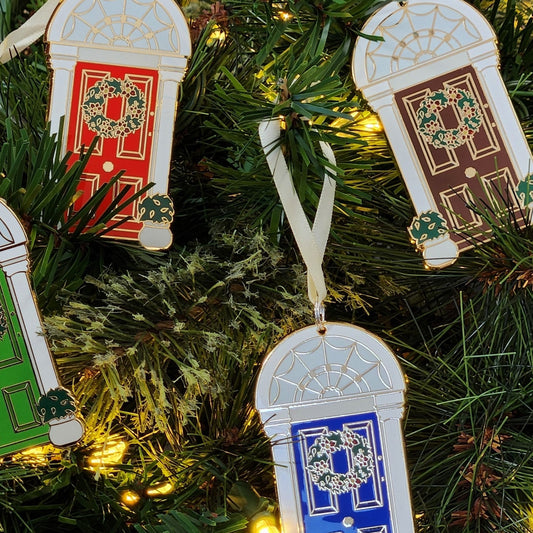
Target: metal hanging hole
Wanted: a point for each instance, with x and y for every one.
(320, 318)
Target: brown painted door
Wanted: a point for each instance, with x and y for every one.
(461, 151)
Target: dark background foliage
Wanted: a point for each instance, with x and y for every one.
(162, 349)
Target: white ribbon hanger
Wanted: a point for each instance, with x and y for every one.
(311, 242)
(19, 39)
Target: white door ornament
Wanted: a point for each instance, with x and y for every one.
(434, 81)
(117, 65)
(332, 404)
(34, 408)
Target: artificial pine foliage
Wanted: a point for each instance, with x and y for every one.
(161, 349)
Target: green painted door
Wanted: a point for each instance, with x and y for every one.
(20, 424)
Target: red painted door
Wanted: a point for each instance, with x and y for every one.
(117, 104)
(461, 151)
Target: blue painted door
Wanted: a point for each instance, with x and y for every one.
(341, 475)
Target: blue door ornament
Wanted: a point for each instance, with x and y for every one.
(332, 404)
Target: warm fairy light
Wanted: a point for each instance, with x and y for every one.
(362, 121)
(268, 529)
(372, 124)
(111, 453)
(282, 14)
(530, 519)
(162, 489)
(263, 527)
(38, 455)
(129, 498)
(217, 35)
(285, 16)
(35, 456)
(264, 523)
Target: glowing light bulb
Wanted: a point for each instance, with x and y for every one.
(363, 121)
(373, 124)
(38, 456)
(264, 523)
(530, 519)
(285, 16)
(268, 529)
(111, 453)
(162, 489)
(129, 498)
(217, 35)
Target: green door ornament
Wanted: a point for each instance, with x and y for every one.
(34, 408)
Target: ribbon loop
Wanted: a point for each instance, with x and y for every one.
(19, 39)
(311, 242)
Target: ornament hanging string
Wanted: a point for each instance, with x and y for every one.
(311, 242)
(19, 39)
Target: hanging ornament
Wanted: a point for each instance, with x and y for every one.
(433, 79)
(34, 408)
(331, 398)
(117, 65)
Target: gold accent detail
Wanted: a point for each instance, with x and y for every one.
(470, 172)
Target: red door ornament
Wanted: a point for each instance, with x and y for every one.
(116, 70)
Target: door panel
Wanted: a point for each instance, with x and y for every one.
(132, 184)
(125, 144)
(364, 509)
(458, 174)
(21, 425)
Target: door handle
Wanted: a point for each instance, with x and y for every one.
(470, 172)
